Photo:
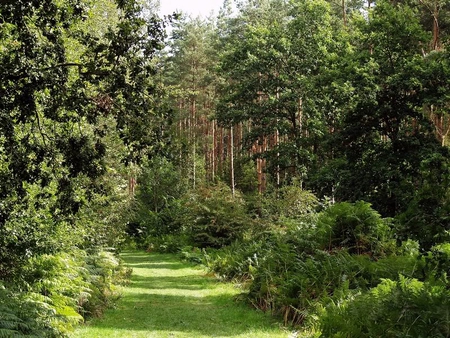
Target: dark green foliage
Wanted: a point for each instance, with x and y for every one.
(273, 54)
(437, 266)
(293, 270)
(291, 202)
(61, 86)
(21, 315)
(279, 205)
(214, 217)
(427, 218)
(73, 103)
(239, 261)
(159, 184)
(356, 227)
(386, 135)
(155, 224)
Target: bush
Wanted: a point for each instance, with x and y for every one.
(157, 202)
(214, 217)
(427, 218)
(192, 254)
(402, 308)
(288, 202)
(290, 269)
(240, 260)
(356, 227)
(57, 292)
(25, 314)
(104, 272)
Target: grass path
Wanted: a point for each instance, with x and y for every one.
(168, 298)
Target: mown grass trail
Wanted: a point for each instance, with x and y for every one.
(168, 298)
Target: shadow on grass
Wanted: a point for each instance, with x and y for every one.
(210, 316)
(176, 302)
(187, 282)
(146, 261)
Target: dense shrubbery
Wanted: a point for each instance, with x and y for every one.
(214, 217)
(356, 227)
(321, 270)
(58, 291)
(340, 269)
(206, 217)
(405, 307)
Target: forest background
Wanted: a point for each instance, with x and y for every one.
(298, 147)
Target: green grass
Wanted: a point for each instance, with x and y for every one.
(168, 298)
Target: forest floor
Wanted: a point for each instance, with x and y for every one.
(169, 298)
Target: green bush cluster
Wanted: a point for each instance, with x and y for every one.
(322, 269)
(215, 217)
(405, 307)
(59, 291)
(208, 217)
(341, 270)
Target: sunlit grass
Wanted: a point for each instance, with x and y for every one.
(167, 298)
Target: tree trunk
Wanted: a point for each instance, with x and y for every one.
(232, 161)
(435, 43)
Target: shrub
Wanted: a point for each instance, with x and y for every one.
(29, 314)
(104, 272)
(240, 260)
(427, 218)
(288, 202)
(357, 227)
(192, 254)
(402, 308)
(57, 291)
(157, 203)
(289, 284)
(288, 272)
(215, 217)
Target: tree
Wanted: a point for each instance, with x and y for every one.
(53, 111)
(190, 75)
(385, 136)
(272, 64)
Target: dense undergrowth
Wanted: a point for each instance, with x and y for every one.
(56, 292)
(336, 270)
(353, 108)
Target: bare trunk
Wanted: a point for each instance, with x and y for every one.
(435, 43)
(220, 150)
(232, 161)
(194, 141)
(214, 151)
(344, 13)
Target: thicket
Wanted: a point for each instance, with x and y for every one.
(57, 292)
(309, 271)
(299, 148)
(310, 161)
(71, 124)
(336, 269)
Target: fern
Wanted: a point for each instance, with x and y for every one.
(406, 307)
(7, 333)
